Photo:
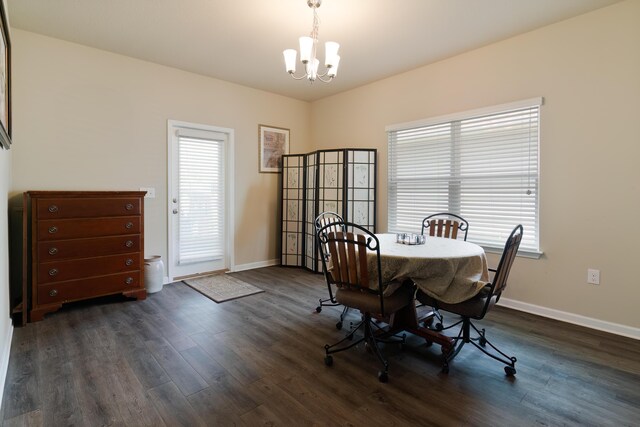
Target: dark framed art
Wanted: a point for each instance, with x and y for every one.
(273, 143)
(5, 80)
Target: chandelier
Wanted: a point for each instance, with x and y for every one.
(308, 52)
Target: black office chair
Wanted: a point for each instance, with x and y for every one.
(447, 225)
(327, 219)
(345, 266)
(478, 306)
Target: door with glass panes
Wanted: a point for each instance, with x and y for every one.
(198, 200)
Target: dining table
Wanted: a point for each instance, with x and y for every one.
(449, 270)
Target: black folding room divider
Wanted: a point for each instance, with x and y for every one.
(341, 181)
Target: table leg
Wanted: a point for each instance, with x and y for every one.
(406, 319)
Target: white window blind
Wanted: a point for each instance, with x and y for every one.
(201, 192)
(481, 165)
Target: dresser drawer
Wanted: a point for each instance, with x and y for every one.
(87, 207)
(87, 288)
(87, 248)
(57, 229)
(58, 271)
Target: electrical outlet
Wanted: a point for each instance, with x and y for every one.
(151, 192)
(593, 276)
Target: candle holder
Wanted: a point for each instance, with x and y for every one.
(410, 239)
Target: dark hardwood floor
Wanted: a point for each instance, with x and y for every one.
(179, 358)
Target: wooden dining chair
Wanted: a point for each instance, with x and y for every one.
(445, 224)
(478, 306)
(346, 266)
(329, 219)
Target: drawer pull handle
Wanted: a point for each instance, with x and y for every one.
(128, 280)
(129, 225)
(53, 229)
(53, 272)
(129, 261)
(129, 243)
(128, 206)
(53, 251)
(53, 209)
(53, 292)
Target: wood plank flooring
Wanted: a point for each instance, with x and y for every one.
(178, 358)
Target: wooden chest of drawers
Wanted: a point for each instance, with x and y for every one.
(83, 244)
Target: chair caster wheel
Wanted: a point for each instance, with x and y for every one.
(510, 371)
(482, 341)
(439, 326)
(445, 369)
(383, 377)
(339, 325)
(328, 360)
(318, 309)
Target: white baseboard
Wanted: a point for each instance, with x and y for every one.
(4, 361)
(252, 265)
(576, 319)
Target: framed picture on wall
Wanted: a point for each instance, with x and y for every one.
(273, 143)
(5, 81)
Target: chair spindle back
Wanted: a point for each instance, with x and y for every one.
(445, 225)
(349, 259)
(506, 261)
(444, 228)
(329, 218)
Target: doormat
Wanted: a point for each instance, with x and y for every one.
(222, 287)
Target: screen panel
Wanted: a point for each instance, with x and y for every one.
(292, 210)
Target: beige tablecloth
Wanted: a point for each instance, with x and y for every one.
(449, 270)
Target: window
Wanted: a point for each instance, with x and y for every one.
(481, 165)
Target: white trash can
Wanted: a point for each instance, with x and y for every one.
(153, 274)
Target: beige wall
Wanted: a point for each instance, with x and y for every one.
(86, 119)
(588, 71)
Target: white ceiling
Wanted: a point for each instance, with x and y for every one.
(242, 41)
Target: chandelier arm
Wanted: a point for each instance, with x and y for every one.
(320, 77)
(304, 76)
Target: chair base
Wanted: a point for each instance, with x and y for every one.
(331, 302)
(326, 302)
(480, 342)
(371, 339)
